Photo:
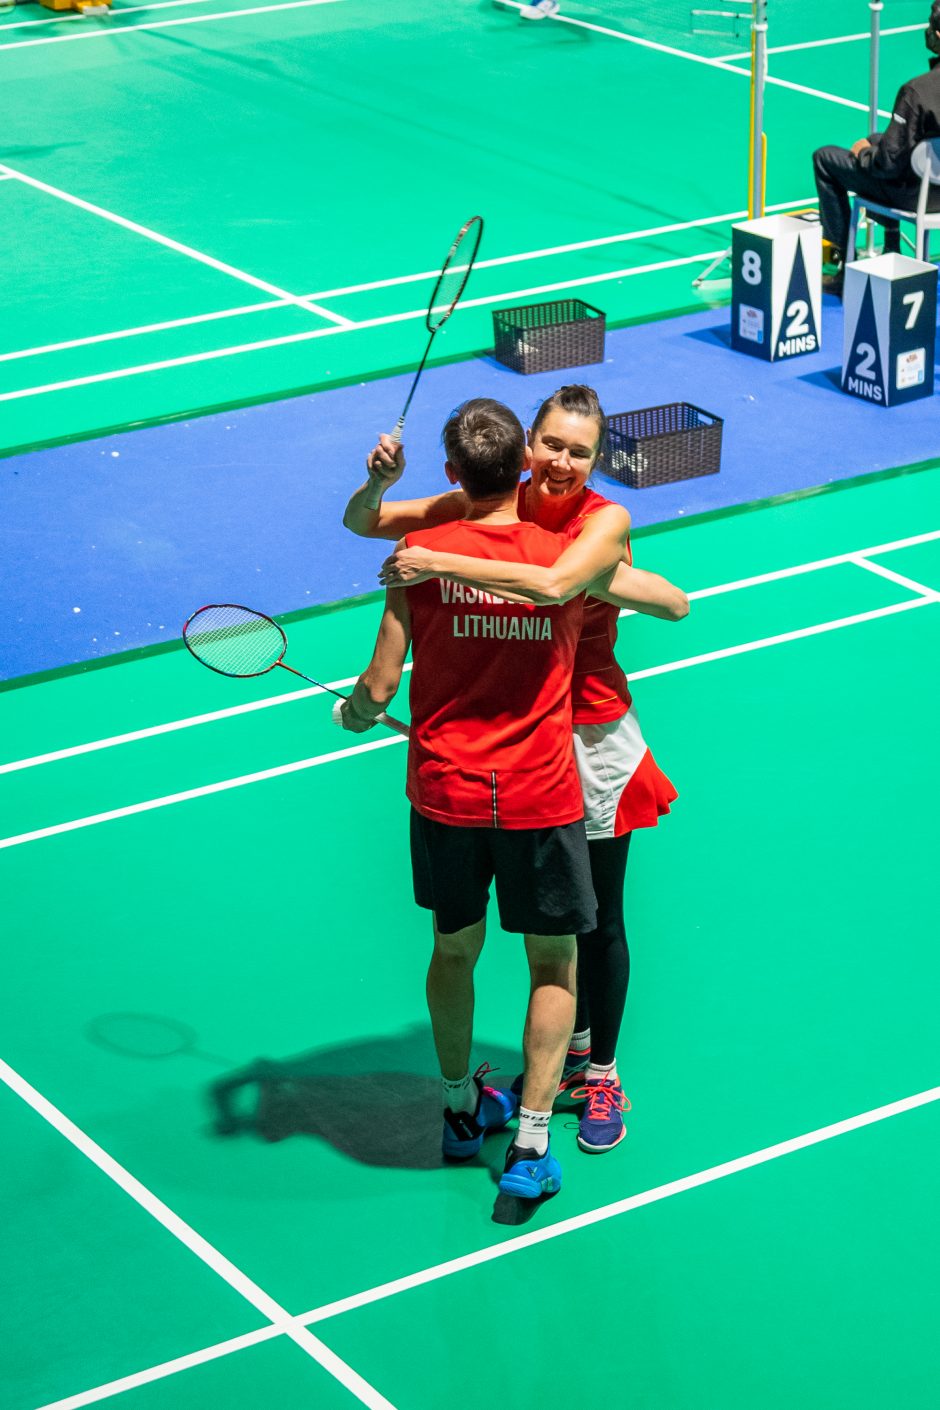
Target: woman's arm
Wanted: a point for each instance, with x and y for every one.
(601, 545)
(640, 591)
(386, 464)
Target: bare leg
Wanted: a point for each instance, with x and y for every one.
(450, 996)
(550, 1016)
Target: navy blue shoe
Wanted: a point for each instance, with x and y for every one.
(529, 1175)
(601, 1126)
(576, 1065)
(464, 1130)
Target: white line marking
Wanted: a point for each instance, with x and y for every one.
(822, 43)
(929, 593)
(203, 1250)
(858, 555)
(633, 39)
(166, 1368)
(113, 33)
(280, 770)
(205, 791)
(115, 13)
(913, 541)
(721, 65)
(726, 651)
(623, 1206)
(176, 245)
(349, 327)
(552, 1231)
(379, 283)
(151, 731)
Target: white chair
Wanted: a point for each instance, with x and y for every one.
(925, 162)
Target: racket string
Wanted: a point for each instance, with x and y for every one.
(234, 640)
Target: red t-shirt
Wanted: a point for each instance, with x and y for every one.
(491, 732)
(599, 690)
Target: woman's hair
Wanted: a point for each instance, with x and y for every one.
(577, 400)
(485, 443)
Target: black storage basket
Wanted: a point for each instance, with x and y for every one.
(662, 443)
(543, 337)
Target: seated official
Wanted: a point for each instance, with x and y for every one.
(879, 166)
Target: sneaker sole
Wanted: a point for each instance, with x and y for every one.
(599, 1150)
(529, 1189)
(461, 1153)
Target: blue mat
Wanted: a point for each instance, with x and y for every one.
(115, 541)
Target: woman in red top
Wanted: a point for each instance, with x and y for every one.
(623, 787)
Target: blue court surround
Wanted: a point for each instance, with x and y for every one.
(109, 544)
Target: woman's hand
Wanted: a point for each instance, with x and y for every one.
(386, 462)
(407, 566)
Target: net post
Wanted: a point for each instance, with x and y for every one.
(757, 150)
(874, 56)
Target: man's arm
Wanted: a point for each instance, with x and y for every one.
(602, 544)
(378, 683)
(890, 155)
(386, 465)
(640, 591)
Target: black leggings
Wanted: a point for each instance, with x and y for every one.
(603, 957)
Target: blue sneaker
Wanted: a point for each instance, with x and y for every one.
(601, 1126)
(464, 1130)
(575, 1066)
(529, 1175)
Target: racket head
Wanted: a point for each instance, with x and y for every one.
(454, 274)
(234, 640)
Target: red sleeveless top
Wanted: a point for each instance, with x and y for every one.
(491, 734)
(599, 690)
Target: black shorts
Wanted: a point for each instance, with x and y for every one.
(542, 874)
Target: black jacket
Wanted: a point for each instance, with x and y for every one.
(916, 116)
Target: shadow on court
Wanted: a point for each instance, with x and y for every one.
(376, 1101)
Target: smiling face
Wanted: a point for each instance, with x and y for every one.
(564, 447)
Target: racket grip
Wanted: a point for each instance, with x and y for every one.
(388, 720)
(391, 723)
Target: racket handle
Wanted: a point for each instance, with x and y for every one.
(373, 497)
(388, 720)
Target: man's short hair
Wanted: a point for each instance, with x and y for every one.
(485, 444)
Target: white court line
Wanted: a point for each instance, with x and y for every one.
(899, 578)
(394, 282)
(166, 1368)
(282, 769)
(113, 14)
(203, 1250)
(387, 319)
(624, 1206)
(724, 652)
(203, 792)
(721, 65)
(858, 556)
(524, 1241)
(822, 43)
(112, 33)
(151, 731)
(175, 245)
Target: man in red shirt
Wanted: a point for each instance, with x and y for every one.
(494, 788)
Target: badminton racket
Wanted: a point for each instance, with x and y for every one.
(446, 294)
(236, 641)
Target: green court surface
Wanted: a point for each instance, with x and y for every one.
(199, 873)
(206, 165)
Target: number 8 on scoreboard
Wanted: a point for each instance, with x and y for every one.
(776, 288)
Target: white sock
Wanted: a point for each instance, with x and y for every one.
(580, 1042)
(597, 1073)
(462, 1095)
(533, 1130)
